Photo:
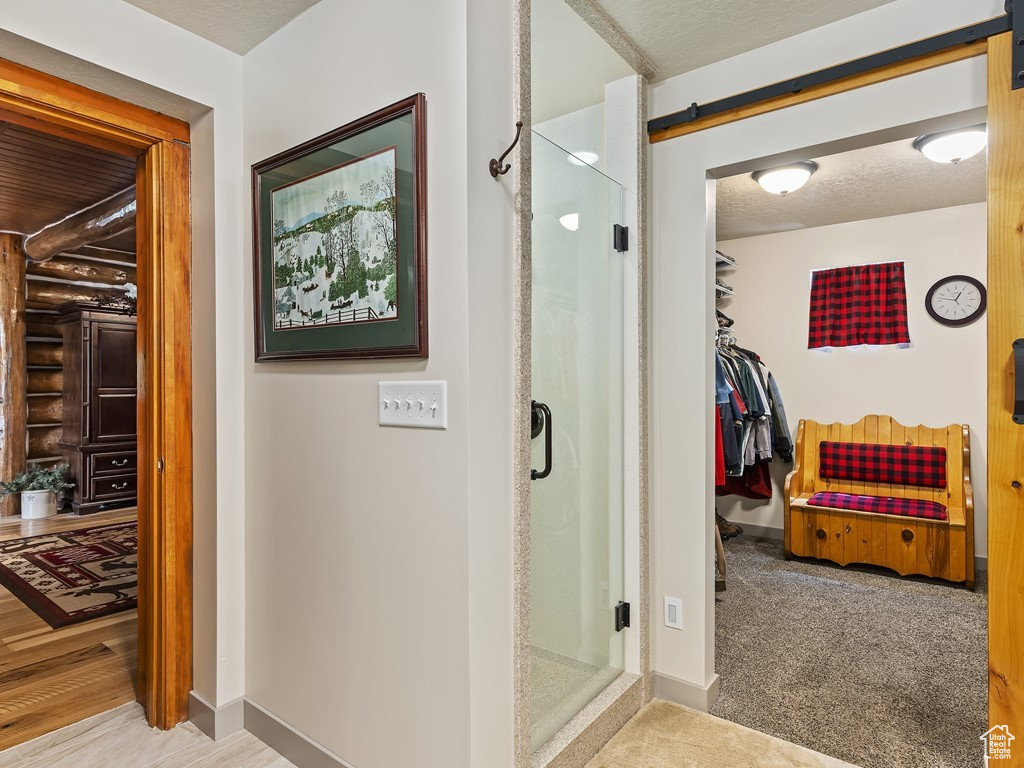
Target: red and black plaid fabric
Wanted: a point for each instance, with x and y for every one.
(858, 305)
(873, 463)
(882, 505)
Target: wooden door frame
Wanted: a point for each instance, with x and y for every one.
(1005, 319)
(161, 144)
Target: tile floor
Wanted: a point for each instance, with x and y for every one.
(122, 739)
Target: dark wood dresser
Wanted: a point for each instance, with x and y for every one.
(100, 395)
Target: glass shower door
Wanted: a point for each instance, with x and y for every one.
(577, 509)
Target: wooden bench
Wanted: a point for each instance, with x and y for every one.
(908, 545)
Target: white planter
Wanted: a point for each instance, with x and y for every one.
(38, 504)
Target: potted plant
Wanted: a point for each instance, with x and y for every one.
(39, 487)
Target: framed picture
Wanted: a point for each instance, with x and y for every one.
(340, 242)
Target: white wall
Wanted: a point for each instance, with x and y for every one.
(360, 597)
(118, 49)
(940, 379)
(683, 243)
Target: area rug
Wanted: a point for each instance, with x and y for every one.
(857, 663)
(76, 575)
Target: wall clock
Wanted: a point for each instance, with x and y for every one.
(956, 300)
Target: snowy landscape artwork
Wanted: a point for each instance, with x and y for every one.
(334, 245)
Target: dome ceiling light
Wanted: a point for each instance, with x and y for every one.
(785, 178)
(952, 146)
(583, 158)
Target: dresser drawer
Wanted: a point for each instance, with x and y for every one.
(107, 463)
(121, 486)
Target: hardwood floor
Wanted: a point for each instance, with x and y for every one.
(50, 678)
(121, 739)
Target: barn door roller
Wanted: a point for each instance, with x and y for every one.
(1015, 10)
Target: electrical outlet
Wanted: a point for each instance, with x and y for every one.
(673, 613)
(421, 404)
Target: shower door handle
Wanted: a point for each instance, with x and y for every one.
(540, 412)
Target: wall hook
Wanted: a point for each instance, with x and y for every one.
(495, 165)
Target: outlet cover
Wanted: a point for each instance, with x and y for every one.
(673, 613)
(422, 404)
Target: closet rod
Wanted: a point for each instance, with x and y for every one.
(958, 37)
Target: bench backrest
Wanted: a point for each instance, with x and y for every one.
(924, 481)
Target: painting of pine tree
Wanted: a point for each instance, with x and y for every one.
(334, 245)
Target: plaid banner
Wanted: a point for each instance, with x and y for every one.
(882, 505)
(866, 304)
(874, 463)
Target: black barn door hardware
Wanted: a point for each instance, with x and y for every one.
(964, 36)
(1018, 381)
(540, 421)
(495, 165)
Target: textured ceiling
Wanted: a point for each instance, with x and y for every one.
(238, 25)
(681, 35)
(869, 183)
(570, 61)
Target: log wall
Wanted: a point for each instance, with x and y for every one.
(12, 365)
(86, 274)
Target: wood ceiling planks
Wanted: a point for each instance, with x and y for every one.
(44, 179)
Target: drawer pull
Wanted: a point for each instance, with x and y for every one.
(908, 535)
(821, 533)
(120, 463)
(120, 487)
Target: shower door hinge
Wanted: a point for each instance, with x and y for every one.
(620, 236)
(621, 616)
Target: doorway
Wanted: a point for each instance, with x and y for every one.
(855, 602)
(907, 101)
(159, 147)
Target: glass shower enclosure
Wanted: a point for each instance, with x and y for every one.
(577, 493)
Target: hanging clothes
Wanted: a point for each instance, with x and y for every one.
(751, 422)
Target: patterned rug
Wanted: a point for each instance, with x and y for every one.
(75, 575)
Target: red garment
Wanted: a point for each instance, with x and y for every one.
(719, 453)
(866, 304)
(740, 405)
(756, 483)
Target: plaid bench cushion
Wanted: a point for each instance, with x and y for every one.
(875, 463)
(883, 505)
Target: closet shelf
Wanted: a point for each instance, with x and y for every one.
(724, 262)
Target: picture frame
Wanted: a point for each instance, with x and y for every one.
(340, 242)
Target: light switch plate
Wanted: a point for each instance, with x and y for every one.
(421, 404)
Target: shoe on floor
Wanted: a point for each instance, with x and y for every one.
(727, 529)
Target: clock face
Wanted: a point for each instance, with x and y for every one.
(956, 300)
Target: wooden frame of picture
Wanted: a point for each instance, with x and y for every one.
(340, 242)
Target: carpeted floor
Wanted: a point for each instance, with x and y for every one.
(877, 670)
(666, 735)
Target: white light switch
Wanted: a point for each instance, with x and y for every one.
(413, 404)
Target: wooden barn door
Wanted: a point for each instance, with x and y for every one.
(1005, 438)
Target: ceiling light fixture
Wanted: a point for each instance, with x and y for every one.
(952, 146)
(786, 178)
(583, 158)
(570, 221)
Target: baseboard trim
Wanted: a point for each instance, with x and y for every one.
(699, 697)
(215, 722)
(288, 742)
(762, 531)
